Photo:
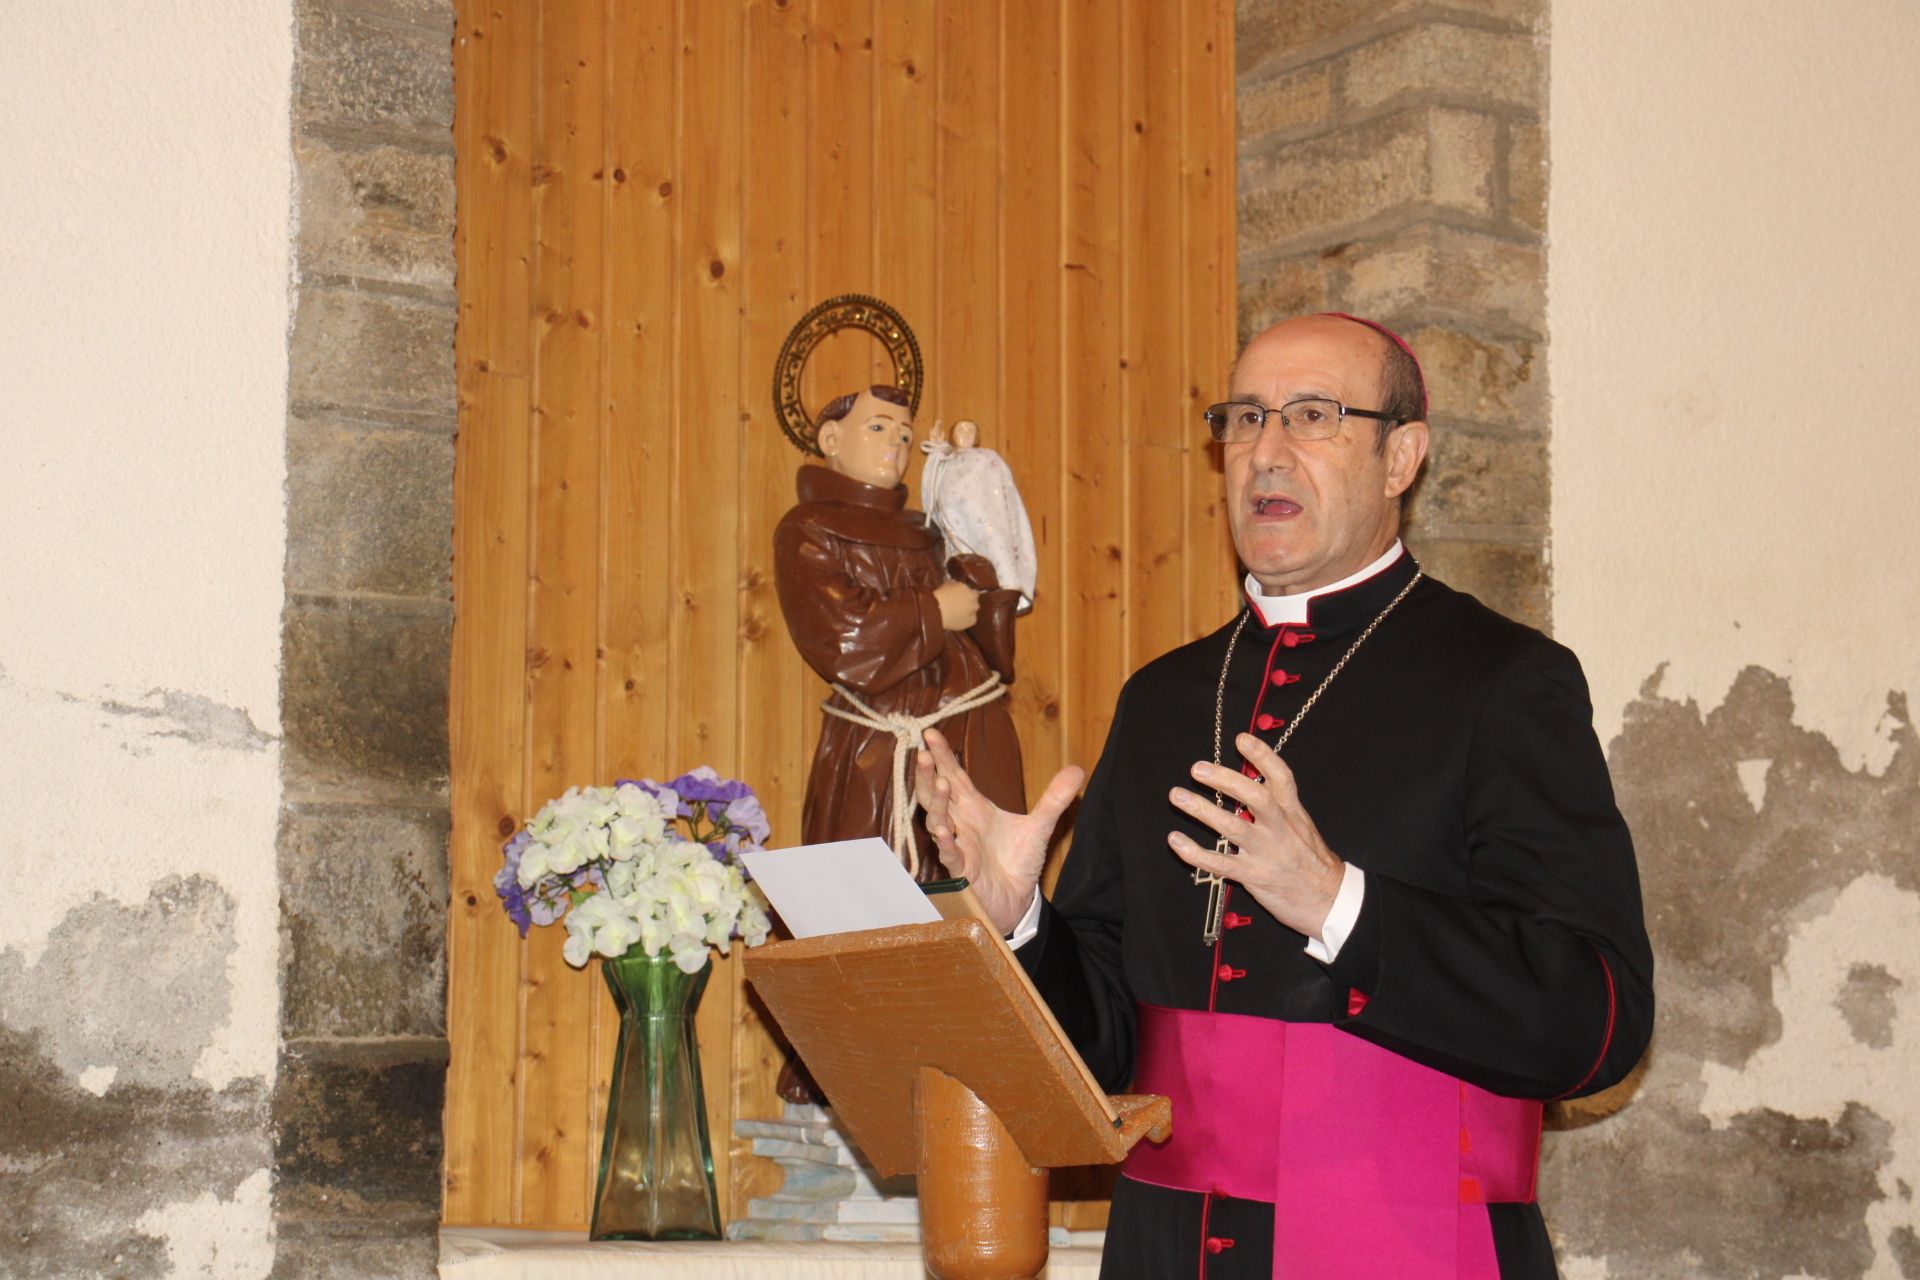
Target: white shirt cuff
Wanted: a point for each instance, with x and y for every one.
(1029, 925)
(1341, 917)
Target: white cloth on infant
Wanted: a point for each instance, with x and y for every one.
(970, 495)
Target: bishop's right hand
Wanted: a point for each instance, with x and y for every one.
(1001, 854)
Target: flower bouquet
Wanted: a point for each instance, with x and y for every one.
(649, 876)
(647, 864)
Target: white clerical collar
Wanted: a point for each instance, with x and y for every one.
(1277, 611)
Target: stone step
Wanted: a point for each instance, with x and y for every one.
(848, 1212)
(813, 1152)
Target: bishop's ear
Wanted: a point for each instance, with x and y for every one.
(1406, 450)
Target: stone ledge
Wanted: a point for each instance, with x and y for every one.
(363, 907)
(1500, 69)
(1473, 479)
(1369, 82)
(401, 1249)
(433, 141)
(1418, 273)
(1485, 379)
(357, 1129)
(376, 212)
(1508, 579)
(364, 692)
(1280, 139)
(369, 509)
(1304, 194)
(487, 1253)
(377, 352)
(1267, 42)
(371, 68)
(361, 792)
(437, 296)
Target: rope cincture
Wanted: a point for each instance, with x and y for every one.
(908, 735)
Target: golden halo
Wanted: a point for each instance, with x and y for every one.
(848, 311)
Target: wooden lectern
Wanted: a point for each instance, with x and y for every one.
(941, 1059)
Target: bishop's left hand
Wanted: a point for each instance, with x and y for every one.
(1282, 862)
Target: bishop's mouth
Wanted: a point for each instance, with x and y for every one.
(1275, 508)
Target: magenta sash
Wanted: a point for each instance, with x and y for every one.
(1375, 1165)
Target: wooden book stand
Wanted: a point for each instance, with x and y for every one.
(941, 1059)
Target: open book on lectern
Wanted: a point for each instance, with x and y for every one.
(843, 886)
(828, 892)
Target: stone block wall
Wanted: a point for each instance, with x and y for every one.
(363, 833)
(1392, 165)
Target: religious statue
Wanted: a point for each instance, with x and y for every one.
(971, 498)
(908, 636)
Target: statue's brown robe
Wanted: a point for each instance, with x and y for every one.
(856, 572)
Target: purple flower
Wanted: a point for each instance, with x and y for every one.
(703, 784)
(745, 813)
(506, 882)
(549, 899)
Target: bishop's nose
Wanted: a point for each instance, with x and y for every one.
(1273, 448)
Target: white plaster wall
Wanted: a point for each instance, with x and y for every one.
(145, 224)
(1734, 306)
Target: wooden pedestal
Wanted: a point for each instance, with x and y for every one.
(942, 1060)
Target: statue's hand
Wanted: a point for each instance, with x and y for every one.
(1001, 854)
(959, 605)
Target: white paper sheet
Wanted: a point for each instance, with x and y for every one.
(841, 887)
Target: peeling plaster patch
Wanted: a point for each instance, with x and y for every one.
(194, 718)
(1793, 1167)
(1906, 1252)
(97, 1080)
(1866, 1002)
(1821, 1064)
(206, 811)
(1753, 780)
(1864, 726)
(139, 991)
(82, 1170)
(214, 1237)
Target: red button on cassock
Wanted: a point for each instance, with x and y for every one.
(1216, 1243)
(1266, 722)
(1281, 679)
(1294, 639)
(1227, 973)
(1234, 920)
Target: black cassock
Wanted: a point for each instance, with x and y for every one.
(1501, 938)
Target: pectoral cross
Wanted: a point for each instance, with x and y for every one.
(1216, 895)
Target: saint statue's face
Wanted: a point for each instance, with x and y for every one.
(871, 444)
(966, 433)
(1305, 513)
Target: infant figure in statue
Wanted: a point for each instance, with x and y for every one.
(970, 497)
(908, 633)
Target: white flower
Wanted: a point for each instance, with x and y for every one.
(661, 892)
(535, 862)
(620, 877)
(626, 837)
(576, 949)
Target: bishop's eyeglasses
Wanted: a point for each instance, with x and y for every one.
(1240, 421)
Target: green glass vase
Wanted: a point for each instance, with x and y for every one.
(656, 1169)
